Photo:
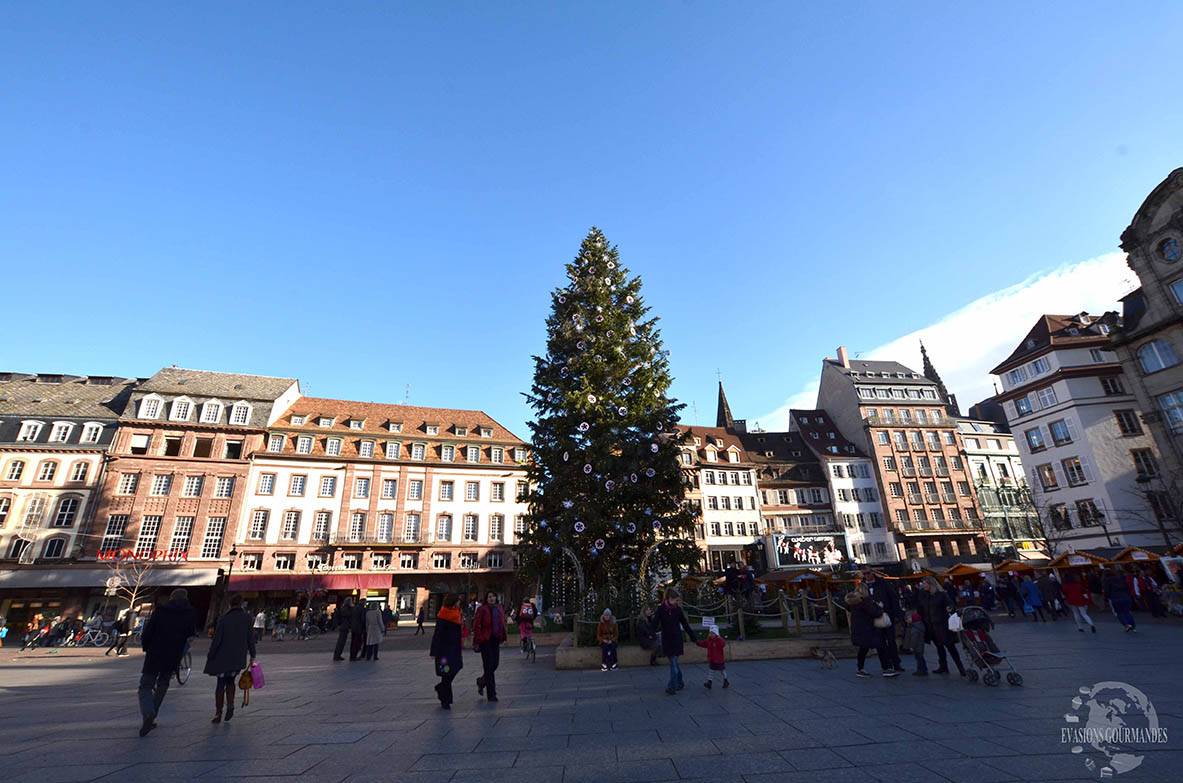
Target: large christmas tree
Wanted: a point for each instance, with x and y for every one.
(606, 476)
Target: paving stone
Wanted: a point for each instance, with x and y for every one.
(813, 758)
(71, 773)
(583, 757)
(968, 771)
(489, 760)
(612, 739)
(735, 764)
(327, 738)
(622, 772)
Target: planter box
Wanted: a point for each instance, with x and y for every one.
(568, 657)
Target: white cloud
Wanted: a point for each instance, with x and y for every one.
(967, 343)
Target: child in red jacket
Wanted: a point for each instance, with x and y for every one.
(714, 645)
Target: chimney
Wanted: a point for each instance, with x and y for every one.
(843, 359)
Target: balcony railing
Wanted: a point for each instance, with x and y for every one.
(925, 471)
(901, 446)
(931, 497)
(942, 471)
(948, 497)
(911, 472)
(914, 497)
(879, 421)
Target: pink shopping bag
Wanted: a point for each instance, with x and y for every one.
(256, 675)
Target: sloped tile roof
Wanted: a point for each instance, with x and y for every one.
(221, 385)
(93, 397)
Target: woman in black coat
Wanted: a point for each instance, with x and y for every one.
(446, 644)
(671, 620)
(935, 607)
(864, 635)
(234, 641)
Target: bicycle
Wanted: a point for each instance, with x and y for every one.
(92, 637)
(529, 648)
(186, 666)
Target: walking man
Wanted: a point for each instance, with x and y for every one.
(119, 633)
(343, 617)
(357, 629)
(419, 618)
(488, 633)
(165, 635)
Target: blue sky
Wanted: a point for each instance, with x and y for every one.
(366, 195)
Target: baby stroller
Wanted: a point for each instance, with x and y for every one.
(981, 650)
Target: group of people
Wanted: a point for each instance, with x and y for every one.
(362, 627)
(489, 625)
(168, 633)
(876, 610)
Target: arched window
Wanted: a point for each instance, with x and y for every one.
(54, 548)
(67, 510)
(5, 506)
(15, 469)
(47, 470)
(1157, 355)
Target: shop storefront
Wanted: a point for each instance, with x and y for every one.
(81, 592)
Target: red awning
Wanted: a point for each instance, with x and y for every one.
(261, 582)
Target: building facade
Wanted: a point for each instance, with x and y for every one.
(898, 416)
(853, 487)
(1149, 343)
(55, 431)
(403, 504)
(1080, 434)
(1000, 482)
(724, 479)
(176, 480)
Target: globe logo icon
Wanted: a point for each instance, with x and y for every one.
(1109, 725)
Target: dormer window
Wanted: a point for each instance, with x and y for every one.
(60, 432)
(356, 424)
(366, 449)
(395, 426)
(49, 379)
(211, 412)
(240, 414)
(472, 454)
(324, 421)
(433, 429)
(448, 453)
(298, 421)
(29, 430)
(418, 451)
(91, 431)
(1030, 344)
(181, 409)
(486, 432)
(333, 447)
(712, 455)
(150, 407)
(698, 441)
(462, 432)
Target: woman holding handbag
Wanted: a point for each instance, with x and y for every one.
(868, 623)
(234, 641)
(935, 609)
(446, 645)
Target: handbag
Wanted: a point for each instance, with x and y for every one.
(244, 685)
(955, 622)
(883, 621)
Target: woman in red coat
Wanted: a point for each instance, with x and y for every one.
(1076, 595)
(488, 632)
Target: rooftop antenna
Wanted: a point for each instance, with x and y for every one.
(407, 395)
(694, 405)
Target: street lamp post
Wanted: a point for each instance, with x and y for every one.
(226, 587)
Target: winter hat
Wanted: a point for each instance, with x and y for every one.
(607, 613)
(714, 629)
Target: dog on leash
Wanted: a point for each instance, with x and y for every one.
(826, 657)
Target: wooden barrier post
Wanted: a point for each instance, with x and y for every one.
(783, 606)
(830, 610)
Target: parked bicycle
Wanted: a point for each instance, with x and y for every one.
(90, 637)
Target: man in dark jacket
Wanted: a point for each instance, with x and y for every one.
(357, 627)
(731, 579)
(165, 636)
(343, 617)
(1117, 593)
(885, 595)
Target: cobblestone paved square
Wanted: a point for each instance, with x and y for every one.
(72, 716)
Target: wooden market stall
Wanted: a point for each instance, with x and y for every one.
(1077, 560)
(1134, 555)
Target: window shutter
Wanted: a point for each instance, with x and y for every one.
(1084, 466)
(1072, 431)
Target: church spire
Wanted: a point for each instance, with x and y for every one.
(931, 373)
(723, 419)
